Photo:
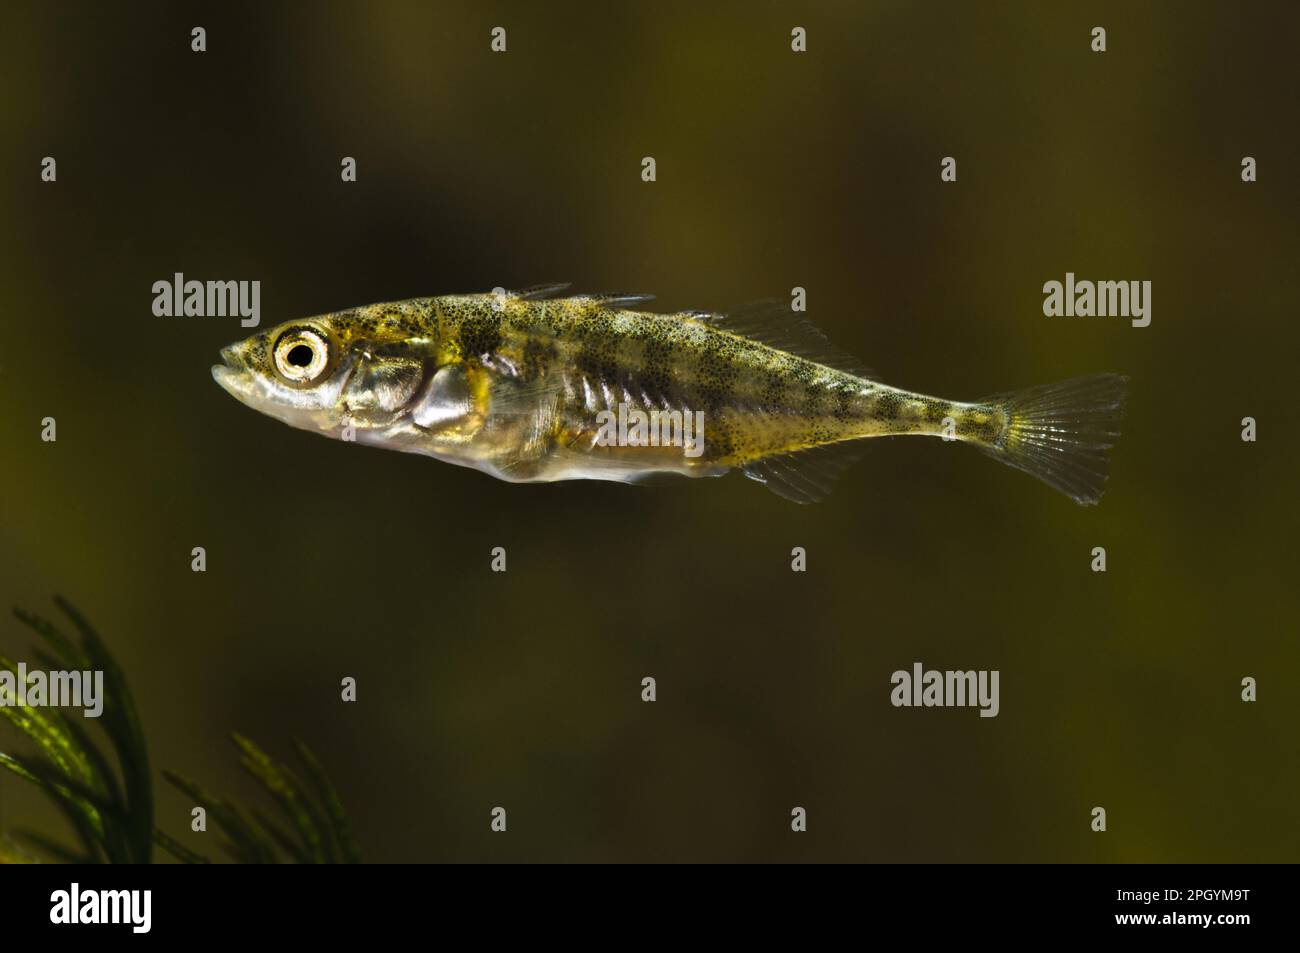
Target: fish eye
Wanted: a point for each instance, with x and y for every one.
(301, 355)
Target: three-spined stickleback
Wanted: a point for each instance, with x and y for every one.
(531, 386)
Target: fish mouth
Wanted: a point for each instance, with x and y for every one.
(229, 371)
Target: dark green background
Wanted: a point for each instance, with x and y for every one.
(774, 170)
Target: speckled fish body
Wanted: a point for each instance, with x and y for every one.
(533, 387)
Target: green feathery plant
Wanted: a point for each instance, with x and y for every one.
(112, 810)
(314, 812)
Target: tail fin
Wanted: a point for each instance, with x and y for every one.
(1062, 433)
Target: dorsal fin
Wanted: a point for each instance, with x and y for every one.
(619, 299)
(805, 476)
(771, 322)
(540, 292)
(613, 300)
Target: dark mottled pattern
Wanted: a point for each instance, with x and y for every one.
(479, 335)
(757, 400)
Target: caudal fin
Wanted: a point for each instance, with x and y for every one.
(1063, 433)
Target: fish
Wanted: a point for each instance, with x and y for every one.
(539, 386)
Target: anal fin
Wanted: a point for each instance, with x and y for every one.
(805, 476)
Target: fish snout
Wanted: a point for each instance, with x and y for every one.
(231, 371)
(232, 357)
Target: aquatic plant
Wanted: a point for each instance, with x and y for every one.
(106, 790)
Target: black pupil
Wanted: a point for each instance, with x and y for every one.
(300, 355)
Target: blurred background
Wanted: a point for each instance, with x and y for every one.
(775, 169)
